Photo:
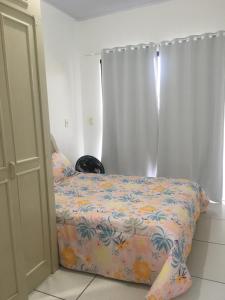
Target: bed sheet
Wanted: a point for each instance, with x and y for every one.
(129, 228)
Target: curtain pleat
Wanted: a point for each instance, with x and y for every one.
(191, 120)
(186, 140)
(130, 115)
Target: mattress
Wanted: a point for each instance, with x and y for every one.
(135, 229)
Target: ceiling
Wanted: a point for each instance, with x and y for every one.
(87, 9)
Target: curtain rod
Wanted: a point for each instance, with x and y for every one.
(93, 54)
(170, 42)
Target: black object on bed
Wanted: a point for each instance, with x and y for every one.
(89, 164)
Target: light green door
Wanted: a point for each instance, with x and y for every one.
(19, 79)
(12, 275)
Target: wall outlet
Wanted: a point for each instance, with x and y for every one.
(66, 123)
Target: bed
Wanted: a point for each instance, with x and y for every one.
(129, 228)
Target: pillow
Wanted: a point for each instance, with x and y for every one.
(59, 164)
(70, 171)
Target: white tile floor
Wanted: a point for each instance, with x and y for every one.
(206, 264)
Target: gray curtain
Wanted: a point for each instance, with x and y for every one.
(191, 118)
(130, 115)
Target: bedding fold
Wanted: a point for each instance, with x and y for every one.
(135, 229)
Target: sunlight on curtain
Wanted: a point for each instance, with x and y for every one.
(157, 65)
(101, 113)
(152, 171)
(224, 162)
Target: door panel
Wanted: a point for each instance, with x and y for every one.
(24, 99)
(17, 54)
(29, 194)
(1, 149)
(12, 275)
(8, 282)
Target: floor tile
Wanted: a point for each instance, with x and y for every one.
(210, 230)
(215, 210)
(40, 296)
(106, 289)
(65, 284)
(207, 261)
(204, 290)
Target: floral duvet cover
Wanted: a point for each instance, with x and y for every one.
(129, 228)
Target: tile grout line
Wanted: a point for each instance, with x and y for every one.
(201, 241)
(208, 279)
(202, 217)
(49, 295)
(87, 286)
(198, 240)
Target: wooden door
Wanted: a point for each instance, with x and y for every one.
(12, 275)
(27, 168)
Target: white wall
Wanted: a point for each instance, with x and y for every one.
(92, 105)
(62, 55)
(168, 20)
(67, 42)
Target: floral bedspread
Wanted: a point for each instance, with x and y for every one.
(129, 228)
